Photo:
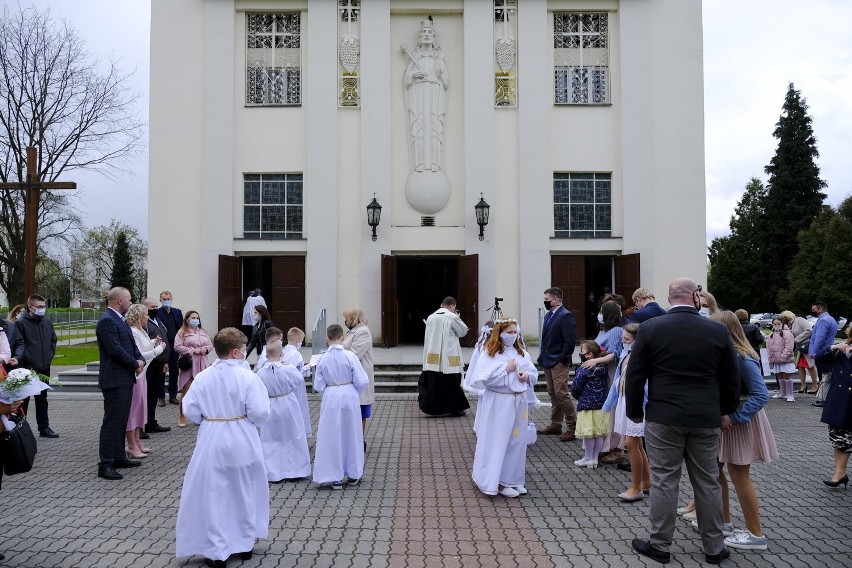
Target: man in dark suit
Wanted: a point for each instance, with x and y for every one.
(172, 318)
(646, 306)
(557, 345)
(693, 380)
(156, 372)
(120, 362)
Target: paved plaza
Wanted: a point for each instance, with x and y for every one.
(416, 506)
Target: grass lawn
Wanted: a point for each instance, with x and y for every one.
(76, 354)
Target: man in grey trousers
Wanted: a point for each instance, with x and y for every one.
(693, 380)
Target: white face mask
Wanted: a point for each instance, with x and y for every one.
(256, 316)
(299, 345)
(600, 318)
(625, 348)
(508, 339)
(776, 328)
(704, 312)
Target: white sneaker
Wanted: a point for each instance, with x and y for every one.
(509, 492)
(778, 395)
(592, 464)
(791, 398)
(746, 541)
(581, 462)
(521, 489)
(727, 528)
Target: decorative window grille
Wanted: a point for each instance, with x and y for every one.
(505, 53)
(582, 205)
(272, 206)
(273, 59)
(349, 53)
(581, 58)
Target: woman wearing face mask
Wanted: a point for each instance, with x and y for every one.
(192, 340)
(708, 304)
(779, 351)
(609, 339)
(262, 322)
(503, 371)
(359, 340)
(837, 411)
(640, 473)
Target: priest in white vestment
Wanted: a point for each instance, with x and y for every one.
(340, 442)
(439, 388)
(254, 300)
(224, 502)
(504, 370)
(285, 446)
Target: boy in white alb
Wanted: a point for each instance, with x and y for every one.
(285, 447)
(340, 442)
(295, 337)
(224, 502)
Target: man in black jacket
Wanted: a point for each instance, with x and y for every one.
(693, 380)
(39, 339)
(558, 334)
(156, 372)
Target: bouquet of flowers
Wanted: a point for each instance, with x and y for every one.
(21, 383)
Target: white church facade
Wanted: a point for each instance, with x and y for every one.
(274, 123)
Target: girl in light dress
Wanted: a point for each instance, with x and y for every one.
(779, 350)
(590, 388)
(502, 372)
(640, 472)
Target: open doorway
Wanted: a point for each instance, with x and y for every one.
(600, 280)
(422, 283)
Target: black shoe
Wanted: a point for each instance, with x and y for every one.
(175, 401)
(246, 555)
(107, 472)
(215, 563)
(459, 413)
(717, 558)
(48, 433)
(817, 403)
(157, 428)
(143, 435)
(624, 466)
(118, 464)
(844, 480)
(644, 548)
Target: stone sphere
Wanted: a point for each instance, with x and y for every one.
(427, 192)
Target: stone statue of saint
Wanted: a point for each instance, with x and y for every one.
(426, 79)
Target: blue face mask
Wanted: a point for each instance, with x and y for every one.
(167, 303)
(194, 322)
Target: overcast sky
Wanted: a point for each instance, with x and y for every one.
(752, 50)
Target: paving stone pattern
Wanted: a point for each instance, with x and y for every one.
(416, 505)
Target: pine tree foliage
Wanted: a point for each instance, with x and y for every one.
(122, 264)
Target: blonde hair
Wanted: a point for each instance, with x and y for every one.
(295, 333)
(741, 345)
(787, 317)
(273, 350)
(641, 294)
(354, 316)
(711, 302)
(134, 314)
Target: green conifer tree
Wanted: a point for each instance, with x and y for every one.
(122, 264)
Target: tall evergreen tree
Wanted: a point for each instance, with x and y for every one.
(793, 199)
(122, 263)
(734, 277)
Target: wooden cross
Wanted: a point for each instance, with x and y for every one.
(33, 187)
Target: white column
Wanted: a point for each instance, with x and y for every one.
(217, 156)
(319, 97)
(535, 99)
(479, 171)
(376, 88)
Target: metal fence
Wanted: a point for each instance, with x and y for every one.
(318, 343)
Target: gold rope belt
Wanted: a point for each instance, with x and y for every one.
(280, 395)
(224, 419)
(520, 408)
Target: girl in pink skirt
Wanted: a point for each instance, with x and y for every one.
(746, 438)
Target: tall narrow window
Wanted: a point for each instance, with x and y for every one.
(582, 205)
(581, 58)
(272, 206)
(505, 53)
(273, 59)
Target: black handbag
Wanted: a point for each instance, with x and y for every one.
(184, 363)
(19, 447)
(804, 346)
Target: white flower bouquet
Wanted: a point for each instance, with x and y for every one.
(21, 383)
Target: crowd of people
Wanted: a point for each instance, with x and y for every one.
(629, 386)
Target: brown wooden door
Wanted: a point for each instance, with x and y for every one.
(627, 276)
(390, 310)
(230, 310)
(569, 274)
(286, 303)
(468, 297)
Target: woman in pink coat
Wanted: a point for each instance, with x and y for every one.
(779, 350)
(191, 340)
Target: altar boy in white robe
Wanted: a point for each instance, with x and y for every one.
(285, 446)
(224, 502)
(291, 354)
(340, 442)
(504, 370)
